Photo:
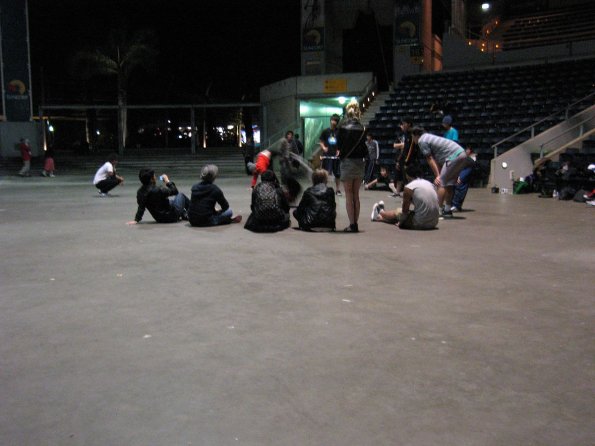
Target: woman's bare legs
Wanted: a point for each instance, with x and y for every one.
(352, 203)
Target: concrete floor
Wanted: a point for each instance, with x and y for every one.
(478, 333)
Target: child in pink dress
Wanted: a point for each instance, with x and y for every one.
(48, 163)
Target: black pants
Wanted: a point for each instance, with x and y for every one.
(108, 184)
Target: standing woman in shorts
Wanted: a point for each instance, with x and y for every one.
(351, 142)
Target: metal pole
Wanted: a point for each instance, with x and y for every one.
(193, 130)
(204, 128)
(44, 144)
(120, 131)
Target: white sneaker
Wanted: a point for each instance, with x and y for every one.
(591, 203)
(380, 205)
(375, 212)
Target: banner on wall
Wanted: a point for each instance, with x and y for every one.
(312, 25)
(335, 85)
(408, 16)
(16, 78)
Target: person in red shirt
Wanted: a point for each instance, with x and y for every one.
(263, 161)
(25, 149)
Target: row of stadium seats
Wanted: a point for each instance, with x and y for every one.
(507, 100)
(554, 27)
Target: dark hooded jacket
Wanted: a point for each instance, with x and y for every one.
(205, 196)
(317, 208)
(155, 199)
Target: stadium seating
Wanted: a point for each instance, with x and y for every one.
(570, 24)
(487, 105)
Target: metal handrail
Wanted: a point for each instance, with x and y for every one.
(565, 132)
(532, 126)
(371, 86)
(281, 133)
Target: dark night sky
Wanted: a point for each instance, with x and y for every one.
(237, 45)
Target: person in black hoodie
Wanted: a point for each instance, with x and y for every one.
(351, 141)
(204, 196)
(164, 203)
(317, 208)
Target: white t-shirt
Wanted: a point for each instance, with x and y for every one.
(425, 201)
(102, 172)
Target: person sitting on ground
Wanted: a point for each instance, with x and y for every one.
(317, 208)
(106, 177)
(270, 209)
(203, 199)
(383, 180)
(164, 203)
(422, 195)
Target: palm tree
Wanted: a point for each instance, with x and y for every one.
(122, 55)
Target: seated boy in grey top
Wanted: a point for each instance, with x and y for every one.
(422, 195)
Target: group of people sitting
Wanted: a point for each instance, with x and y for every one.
(207, 206)
(270, 209)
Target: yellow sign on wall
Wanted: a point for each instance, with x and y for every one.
(335, 85)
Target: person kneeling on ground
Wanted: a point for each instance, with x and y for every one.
(164, 203)
(270, 209)
(205, 195)
(422, 194)
(317, 208)
(106, 178)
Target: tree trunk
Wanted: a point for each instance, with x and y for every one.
(122, 116)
